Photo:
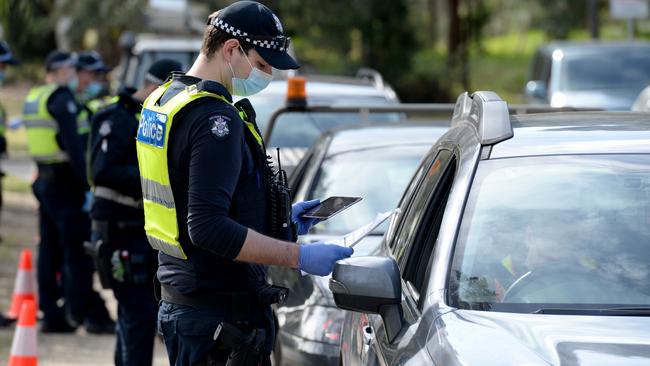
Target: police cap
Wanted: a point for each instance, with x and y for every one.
(91, 61)
(58, 59)
(6, 57)
(254, 23)
(160, 70)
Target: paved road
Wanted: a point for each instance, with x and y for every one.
(19, 230)
(21, 167)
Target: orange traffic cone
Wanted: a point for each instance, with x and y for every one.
(24, 287)
(23, 347)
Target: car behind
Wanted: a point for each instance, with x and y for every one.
(374, 162)
(603, 75)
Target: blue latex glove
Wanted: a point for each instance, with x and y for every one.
(303, 224)
(88, 203)
(319, 258)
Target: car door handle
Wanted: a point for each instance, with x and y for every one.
(368, 335)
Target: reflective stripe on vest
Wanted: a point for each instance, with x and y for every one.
(117, 197)
(156, 121)
(41, 127)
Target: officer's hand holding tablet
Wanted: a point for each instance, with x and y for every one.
(318, 258)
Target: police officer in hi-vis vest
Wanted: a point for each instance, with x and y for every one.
(125, 260)
(50, 117)
(6, 59)
(88, 88)
(214, 207)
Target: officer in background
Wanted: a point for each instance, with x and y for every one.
(6, 59)
(124, 259)
(210, 198)
(89, 87)
(50, 116)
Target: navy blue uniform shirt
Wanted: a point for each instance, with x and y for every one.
(219, 193)
(64, 108)
(113, 157)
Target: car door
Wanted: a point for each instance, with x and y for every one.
(414, 244)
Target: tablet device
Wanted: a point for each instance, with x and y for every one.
(330, 207)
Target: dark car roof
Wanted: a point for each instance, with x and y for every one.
(576, 133)
(367, 137)
(592, 46)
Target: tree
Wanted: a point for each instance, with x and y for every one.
(467, 20)
(28, 28)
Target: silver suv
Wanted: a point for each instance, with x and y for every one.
(521, 240)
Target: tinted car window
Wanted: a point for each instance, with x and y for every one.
(540, 67)
(379, 176)
(426, 233)
(410, 220)
(542, 231)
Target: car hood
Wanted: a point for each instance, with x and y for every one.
(491, 338)
(613, 99)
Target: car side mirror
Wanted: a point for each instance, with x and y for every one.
(370, 285)
(536, 89)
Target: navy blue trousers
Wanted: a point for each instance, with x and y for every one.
(188, 331)
(137, 307)
(63, 266)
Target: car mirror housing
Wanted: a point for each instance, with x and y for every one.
(370, 285)
(536, 89)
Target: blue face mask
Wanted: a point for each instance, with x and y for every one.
(92, 90)
(257, 81)
(73, 84)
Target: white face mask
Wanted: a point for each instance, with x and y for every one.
(257, 80)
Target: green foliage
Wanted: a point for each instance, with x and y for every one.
(98, 24)
(558, 18)
(27, 27)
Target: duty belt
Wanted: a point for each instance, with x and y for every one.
(233, 301)
(117, 197)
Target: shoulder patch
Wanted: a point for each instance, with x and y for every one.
(105, 128)
(72, 107)
(219, 126)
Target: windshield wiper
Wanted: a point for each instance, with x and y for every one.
(618, 311)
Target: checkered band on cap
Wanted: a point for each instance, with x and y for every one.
(279, 43)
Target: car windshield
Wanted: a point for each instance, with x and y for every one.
(618, 69)
(555, 232)
(149, 57)
(266, 104)
(377, 175)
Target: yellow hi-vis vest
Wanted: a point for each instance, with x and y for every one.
(41, 127)
(160, 221)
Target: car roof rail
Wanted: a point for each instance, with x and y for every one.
(371, 75)
(487, 113)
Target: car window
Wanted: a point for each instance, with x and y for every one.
(146, 59)
(555, 232)
(426, 233)
(606, 70)
(537, 70)
(301, 129)
(378, 175)
(411, 218)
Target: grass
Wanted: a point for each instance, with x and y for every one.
(501, 65)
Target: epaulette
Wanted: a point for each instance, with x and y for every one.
(213, 87)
